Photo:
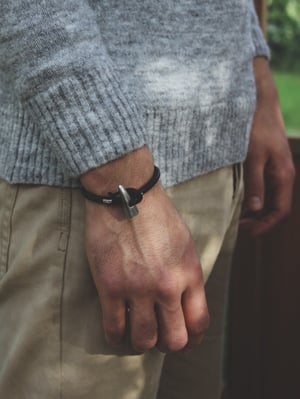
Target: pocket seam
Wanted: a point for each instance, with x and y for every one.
(6, 228)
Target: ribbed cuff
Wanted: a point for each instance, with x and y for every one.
(87, 120)
(260, 45)
(206, 138)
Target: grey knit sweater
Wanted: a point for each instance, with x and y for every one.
(83, 82)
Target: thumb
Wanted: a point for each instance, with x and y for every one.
(254, 186)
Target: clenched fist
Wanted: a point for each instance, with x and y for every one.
(146, 266)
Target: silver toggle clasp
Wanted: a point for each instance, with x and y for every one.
(130, 210)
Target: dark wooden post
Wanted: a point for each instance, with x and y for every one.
(264, 338)
(261, 8)
(264, 344)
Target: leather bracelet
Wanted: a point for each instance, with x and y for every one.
(128, 198)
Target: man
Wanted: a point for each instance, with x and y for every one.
(91, 92)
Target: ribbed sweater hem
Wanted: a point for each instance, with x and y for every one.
(87, 119)
(185, 143)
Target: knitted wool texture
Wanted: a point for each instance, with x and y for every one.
(84, 82)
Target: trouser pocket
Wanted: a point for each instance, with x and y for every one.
(237, 175)
(8, 197)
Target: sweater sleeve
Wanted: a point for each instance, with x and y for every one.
(53, 56)
(259, 42)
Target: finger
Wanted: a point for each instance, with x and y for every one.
(143, 324)
(196, 314)
(254, 185)
(271, 217)
(173, 334)
(277, 204)
(192, 344)
(281, 191)
(262, 226)
(114, 320)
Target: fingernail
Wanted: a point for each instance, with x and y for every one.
(255, 203)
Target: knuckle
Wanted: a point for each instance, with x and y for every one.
(112, 291)
(195, 274)
(111, 286)
(173, 342)
(287, 173)
(146, 338)
(140, 289)
(113, 331)
(144, 345)
(281, 174)
(168, 289)
(201, 326)
(113, 335)
(176, 344)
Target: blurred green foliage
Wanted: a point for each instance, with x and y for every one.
(284, 33)
(288, 85)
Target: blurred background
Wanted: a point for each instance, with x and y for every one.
(263, 343)
(283, 32)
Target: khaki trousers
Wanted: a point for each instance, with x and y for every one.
(52, 344)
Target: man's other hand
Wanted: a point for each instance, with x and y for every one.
(269, 170)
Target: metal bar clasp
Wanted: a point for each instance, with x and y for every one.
(130, 210)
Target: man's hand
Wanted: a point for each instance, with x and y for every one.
(269, 170)
(146, 269)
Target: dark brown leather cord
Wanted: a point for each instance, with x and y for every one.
(136, 195)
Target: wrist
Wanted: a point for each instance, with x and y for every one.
(265, 86)
(128, 197)
(131, 170)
